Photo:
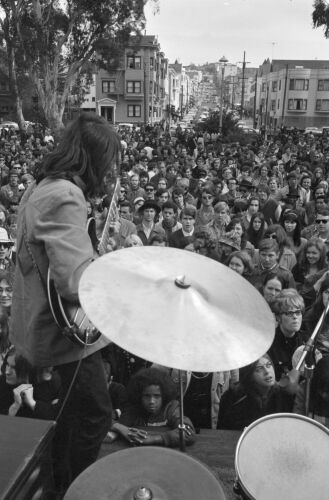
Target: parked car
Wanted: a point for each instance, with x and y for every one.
(313, 131)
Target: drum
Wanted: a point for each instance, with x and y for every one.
(283, 456)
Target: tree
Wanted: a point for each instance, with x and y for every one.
(320, 16)
(55, 42)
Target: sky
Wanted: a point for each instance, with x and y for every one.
(202, 31)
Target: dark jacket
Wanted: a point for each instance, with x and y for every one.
(282, 350)
(237, 409)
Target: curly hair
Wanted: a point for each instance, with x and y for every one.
(151, 376)
(205, 234)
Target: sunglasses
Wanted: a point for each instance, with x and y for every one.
(323, 221)
(270, 236)
(149, 190)
(5, 245)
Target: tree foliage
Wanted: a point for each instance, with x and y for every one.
(55, 42)
(320, 16)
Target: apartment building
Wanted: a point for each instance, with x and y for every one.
(135, 92)
(293, 93)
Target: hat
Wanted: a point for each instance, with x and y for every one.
(230, 239)
(150, 204)
(4, 237)
(245, 184)
(139, 198)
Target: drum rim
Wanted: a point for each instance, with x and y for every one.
(257, 422)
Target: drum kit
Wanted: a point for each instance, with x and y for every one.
(185, 311)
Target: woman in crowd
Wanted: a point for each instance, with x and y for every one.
(287, 257)
(256, 229)
(292, 226)
(313, 314)
(272, 286)
(311, 265)
(25, 392)
(152, 405)
(257, 394)
(241, 263)
(236, 227)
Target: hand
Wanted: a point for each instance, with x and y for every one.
(27, 397)
(18, 393)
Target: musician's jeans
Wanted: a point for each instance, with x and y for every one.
(84, 421)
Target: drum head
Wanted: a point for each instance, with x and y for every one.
(284, 456)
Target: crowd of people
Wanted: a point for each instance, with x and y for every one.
(261, 209)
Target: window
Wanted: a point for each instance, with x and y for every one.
(279, 84)
(323, 85)
(108, 86)
(134, 110)
(264, 87)
(298, 84)
(93, 99)
(134, 87)
(278, 103)
(297, 104)
(273, 105)
(274, 86)
(322, 105)
(151, 62)
(134, 62)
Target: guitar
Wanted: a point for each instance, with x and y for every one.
(71, 318)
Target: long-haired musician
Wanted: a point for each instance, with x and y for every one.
(52, 236)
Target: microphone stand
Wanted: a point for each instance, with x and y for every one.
(308, 357)
(181, 425)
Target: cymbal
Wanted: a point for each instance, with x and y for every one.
(145, 473)
(177, 308)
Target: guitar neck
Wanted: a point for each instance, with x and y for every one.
(112, 214)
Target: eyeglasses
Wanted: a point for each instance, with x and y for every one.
(323, 221)
(271, 236)
(207, 197)
(149, 190)
(290, 314)
(4, 245)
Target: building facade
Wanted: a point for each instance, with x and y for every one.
(293, 94)
(135, 92)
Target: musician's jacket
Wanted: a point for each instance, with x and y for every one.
(53, 216)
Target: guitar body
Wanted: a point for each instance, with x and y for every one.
(70, 317)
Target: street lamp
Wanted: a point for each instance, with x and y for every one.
(223, 61)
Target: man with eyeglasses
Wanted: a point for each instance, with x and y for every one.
(322, 225)
(288, 308)
(149, 191)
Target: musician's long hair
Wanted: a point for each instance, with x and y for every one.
(89, 150)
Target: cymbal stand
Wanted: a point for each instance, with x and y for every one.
(182, 425)
(308, 357)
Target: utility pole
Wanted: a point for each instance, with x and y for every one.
(255, 101)
(243, 77)
(169, 116)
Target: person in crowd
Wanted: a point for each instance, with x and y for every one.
(6, 246)
(135, 191)
(312, 264)
(133, 241)
(292, 226)
(288, 308)
(241, 263)
(256, 395)
(256, 230)
(268, 261)
(148, 226)
(272, 286)
(169, 221)
(52, 235)
(184, 236)
(25, 392)
(313, 314)
(253, 208)
(268, 206)
(153, 406)
(287, 257)
(236, 227)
